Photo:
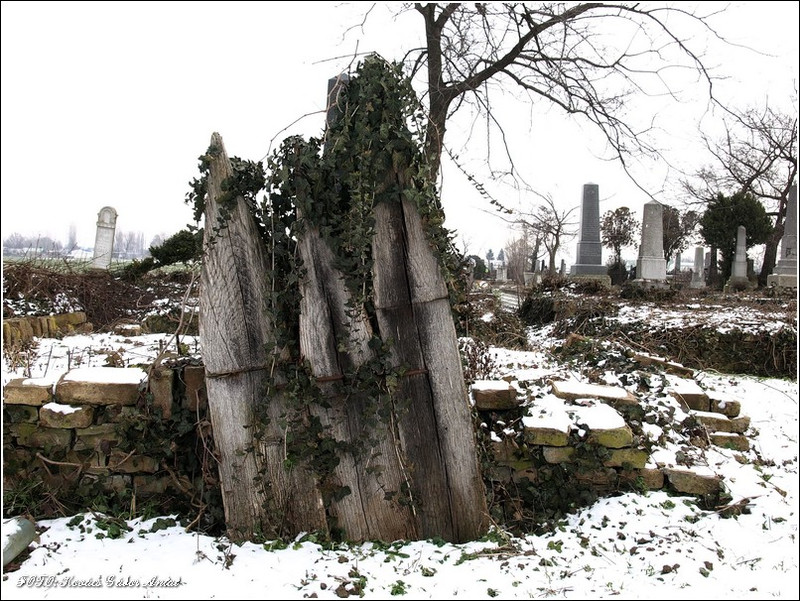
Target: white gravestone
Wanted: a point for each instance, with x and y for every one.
(104, 239)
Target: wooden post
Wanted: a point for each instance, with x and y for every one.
(259, 495)
(434, 422)
(334, 338)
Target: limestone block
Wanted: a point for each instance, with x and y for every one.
(56, 415)
(689, 392)
(613, 438)
(15, 414)
(161, 387)
(101, 437)
(652, 479)
(100, 386)
(668, 366)
(716, 422)
(128, 329)
(44, 326)
(36, 326)
(29, 435)
(558, 454)
(494, 395)
(27, 391)
(598, 477)
(634, 458)
(194, 377)
(724, 404)
(687, 481)
(737, 442)
(68, 321)
(552, 437)
(577, 390)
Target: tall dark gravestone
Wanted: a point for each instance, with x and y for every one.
(590, 249)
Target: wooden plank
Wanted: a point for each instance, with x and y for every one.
(334, 338)
(441, 357)
(259, 495)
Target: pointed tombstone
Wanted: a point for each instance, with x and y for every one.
(259, 494)
(104, 238)
(562, 270)
(785, 273)
(699, 267)
(335, 337)
(590, 250)
(651, 264)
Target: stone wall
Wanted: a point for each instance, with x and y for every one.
(19, 330)
(120, 431)
(107, 429)
(579, 441)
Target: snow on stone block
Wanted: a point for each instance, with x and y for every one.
(492, 395)
(572, 390)
(606, 426)
(716, 422)
(547, 423)
(666, 364)
(56, 415)
(724, 404)
(737, 442)
(100, 386)
(28, 391)
(689, 392)
(689, 482)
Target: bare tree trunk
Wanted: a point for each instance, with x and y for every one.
(770, 254)
(260, 496)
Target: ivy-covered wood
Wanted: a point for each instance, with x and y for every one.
(260, 496)
(365, 387)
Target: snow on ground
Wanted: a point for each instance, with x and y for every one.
(633, 546)
(723, 318)
(52, 358)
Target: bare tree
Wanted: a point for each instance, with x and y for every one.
(521, 253)
(586, 58)
(757, 154)
(546, 224)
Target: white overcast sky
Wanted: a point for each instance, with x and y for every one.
(111, 103)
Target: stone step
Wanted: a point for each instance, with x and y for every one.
(688, 392)
(716, 422)
(571, 390)
(494, 395)
(723, 403)
(691, 482)
(737, 442)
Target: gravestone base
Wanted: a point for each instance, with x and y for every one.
(642, 284)
(697, 284)
(782, 280)
(583, 269)
(648, 268)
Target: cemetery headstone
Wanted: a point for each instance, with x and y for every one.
(104, 238)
